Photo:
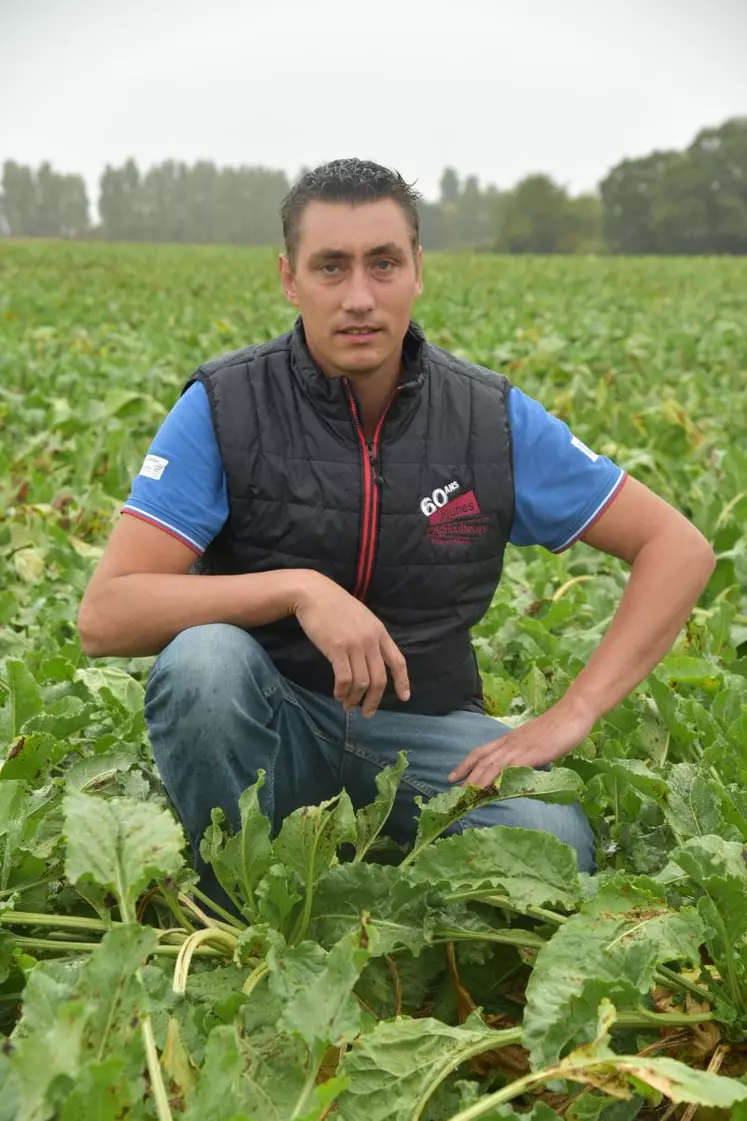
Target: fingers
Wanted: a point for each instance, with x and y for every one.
(395, 659)
(360, 680)
(362, 673)
(377, 683)
(471, 761)
(487, 772)
(343, 675)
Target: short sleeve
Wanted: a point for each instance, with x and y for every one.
(561, 487)
(181, 487)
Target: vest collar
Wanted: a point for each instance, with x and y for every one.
(329, 393)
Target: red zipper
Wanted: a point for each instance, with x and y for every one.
(370, 518)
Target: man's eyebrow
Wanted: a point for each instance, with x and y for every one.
(331, 255)
(388, 249)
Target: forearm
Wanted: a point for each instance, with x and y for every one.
(666, 579)
(139, 614)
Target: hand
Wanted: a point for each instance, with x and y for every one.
(541, 740)
(356, 643)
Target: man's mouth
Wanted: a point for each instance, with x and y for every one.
(359, 330)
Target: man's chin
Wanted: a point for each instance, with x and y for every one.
(361, 359)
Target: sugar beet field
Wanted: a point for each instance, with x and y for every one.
(477, 975)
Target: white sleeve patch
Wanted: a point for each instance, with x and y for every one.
(153, 466)
(574, 440)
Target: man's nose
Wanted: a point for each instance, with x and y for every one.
(359, 295)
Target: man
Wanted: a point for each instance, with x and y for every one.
(349, 490)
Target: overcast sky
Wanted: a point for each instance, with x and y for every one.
(500, 88)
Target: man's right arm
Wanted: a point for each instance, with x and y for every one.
(142, 594)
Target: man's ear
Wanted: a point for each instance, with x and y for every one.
(287, 280)
(419, 272)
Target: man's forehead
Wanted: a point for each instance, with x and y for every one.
(353, 228)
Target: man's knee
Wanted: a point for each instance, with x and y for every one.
(203, 668)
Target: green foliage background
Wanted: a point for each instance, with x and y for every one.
(648, 362)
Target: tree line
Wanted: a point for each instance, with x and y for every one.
(692, 201)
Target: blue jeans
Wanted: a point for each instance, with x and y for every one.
(218, 711)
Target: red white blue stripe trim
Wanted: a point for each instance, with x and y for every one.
(596, 514)
(148, 517)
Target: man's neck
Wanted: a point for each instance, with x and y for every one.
(373, 393)
(372, 389)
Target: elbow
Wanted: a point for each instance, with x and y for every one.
(89, 632)
(709, 560)
(703, 559)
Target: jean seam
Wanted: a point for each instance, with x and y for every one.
(353, 748)
(289, 696)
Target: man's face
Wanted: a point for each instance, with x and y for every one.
(354, 280)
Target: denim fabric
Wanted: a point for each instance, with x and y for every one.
(218, 711)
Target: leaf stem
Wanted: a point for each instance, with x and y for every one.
(303, 920)
(308, 1086)
(154, 1069)
(640, 1017)
(671, 979)
(25, 887)
(495, 900)
(146, 1027)
(181, 969)
(61, 922)
(217, 908)
(214, 924)
(505, 937)
(498, 1039)
(52, 946)
(255, 977)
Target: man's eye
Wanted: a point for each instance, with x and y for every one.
(329, 270)
(384, 266)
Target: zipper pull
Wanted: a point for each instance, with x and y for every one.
(374, 461)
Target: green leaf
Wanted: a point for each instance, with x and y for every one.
(610, 949)
(683, 1083)
(241, 861)
(112, 684)
(693, 671)
(635, 773)
(120, 844)
(529, 866)
(248, 1080)
(307, 844)
(309, 837)
(24, 819)
(694, 802)
(30, 757)
(439, 813)
(399, 1065)
(370, 819)
(48, 1062)
(109, 980)
(25, 697)
(10, 1090)
(218, 1096)
(277, 898)
(104, 1091)
(322, 1008)
(560, 785)
(718, 869)
(80, 1043)
(396, 904)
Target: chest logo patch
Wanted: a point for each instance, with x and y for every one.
(453, 518)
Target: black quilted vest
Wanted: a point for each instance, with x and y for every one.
(413, 522)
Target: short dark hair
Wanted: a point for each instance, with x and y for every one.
(352, 181)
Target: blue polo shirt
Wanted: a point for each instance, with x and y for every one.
(561, 487)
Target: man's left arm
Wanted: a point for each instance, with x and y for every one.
(671, 565)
